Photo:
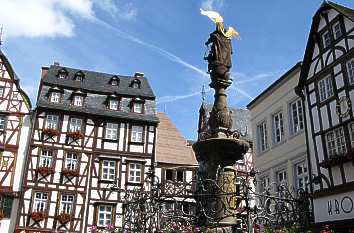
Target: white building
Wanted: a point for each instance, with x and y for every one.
(326, 85)
(278, 127)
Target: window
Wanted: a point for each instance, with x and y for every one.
(335, 142)
(297, 117)
(179, 175)
(78, 100)
(135, 172)
(6, 205)
(66, 204)
(40, 202)
(113, 104)
(111, 131)
(46, 158)
(79, 76)
(2, 90)
(265, 182)
(351, 132)
(75, 124)
(138, 107)
(104, 215)
(135, 84)
(114, 81)
(137, 134)
(278, 127)
(350, 67)
(262, 136)
(301, 175)
(174, 175)
(337, 29)
(62, 74)
(108, 170)
(281, 177)
(326, 39)
(71, 161)
(325, 88)
(2, 122)
(52, 122)
(55, 97)
(169, 174)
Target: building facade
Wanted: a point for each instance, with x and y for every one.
(326, 85)
(91, 132)
(15, 124)
(277, 119)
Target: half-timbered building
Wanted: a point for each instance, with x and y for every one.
(15, 124)
(91, 131)
(326, 85)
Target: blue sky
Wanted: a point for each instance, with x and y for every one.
(163, 39)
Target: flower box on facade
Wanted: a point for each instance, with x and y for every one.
(75, 135)
(50, 132)
(45, 170)
(64, 218)
(38, 216)
(337, 160)
(70, 172)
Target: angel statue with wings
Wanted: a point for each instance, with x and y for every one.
(219, 57)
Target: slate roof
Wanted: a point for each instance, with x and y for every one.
(97, 88)
(241, 120)
(171, 147)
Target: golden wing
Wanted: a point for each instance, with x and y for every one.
(231, 32)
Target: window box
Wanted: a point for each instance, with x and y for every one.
(38, 216)
(50, 132)
(338, 159)
(75, 135)
(45, 170)
(70, 172)
(64, 218)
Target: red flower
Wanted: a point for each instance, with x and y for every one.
(75, 135)
(69, 172)
(63, 218)
(38, 216)
(50, 132)
(45, 170)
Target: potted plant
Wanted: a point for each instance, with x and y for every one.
(64, 218)
(335, 160)
(75, 135)
(70, 172)
(45, 170)
(50, 132)
(38, 216)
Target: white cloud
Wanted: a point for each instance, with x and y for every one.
(51, 18)
(212, 4)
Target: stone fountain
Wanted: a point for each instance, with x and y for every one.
(219, 150)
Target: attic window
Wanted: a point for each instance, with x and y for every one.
(114, 81)
(79, 76)
(62, 73)
(337, 30)
(135, 84)
(326, 39)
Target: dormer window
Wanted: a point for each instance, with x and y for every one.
(78, 100)
(326, 39)
(55, 97)
(62, 73)
(138, 107)
(114, 81)
(79, 76)
(113, 104)
(135, 84)
(337, 30)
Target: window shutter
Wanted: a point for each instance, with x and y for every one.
(7, 206)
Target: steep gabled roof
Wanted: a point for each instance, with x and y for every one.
(15, 79)
(172, 148)
(345, 11)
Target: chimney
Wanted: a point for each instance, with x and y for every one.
(138, 74)
(44, 71)
(56, 63)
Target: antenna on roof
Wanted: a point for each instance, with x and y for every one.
(203, 93)
(1, 36)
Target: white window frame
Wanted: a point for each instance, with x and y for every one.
(296, 111)
(66, 203)
(78, 100)
(262, 136)
(3, 119)
(105, 215)
(278, 127)
(46, 158)
(52, 121)
(71, 161)
(282, 176)
(350, 70)
(135, 172)
(111, 131)
(326, 41)
(75, 124)
(335, 141)
(55, 97)
(337, 30)
(302, 177)
(40, 202)
(137, 133)
(109, 170)
(113, 104)
(138, 107)
(325, 88)
(2, 91)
